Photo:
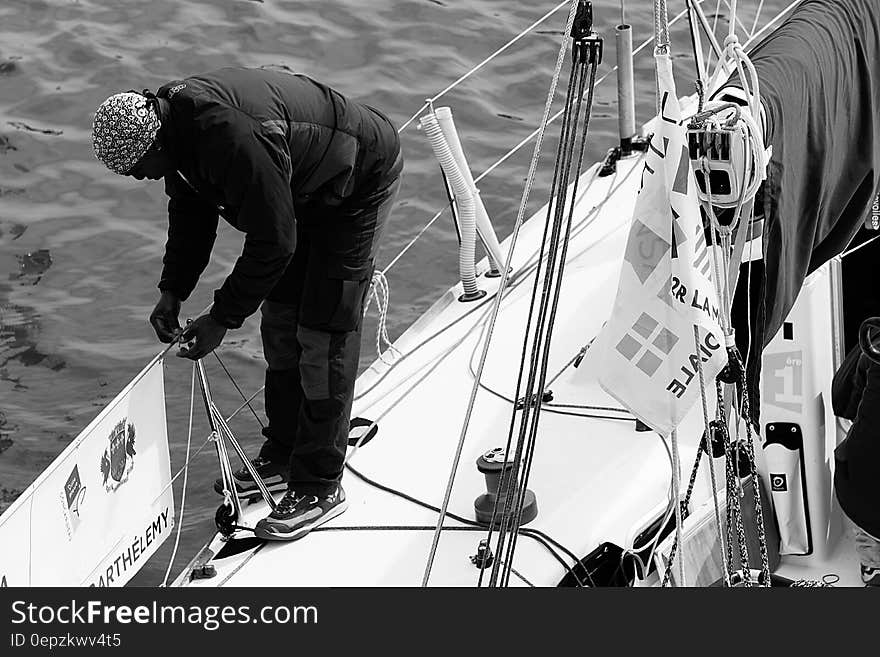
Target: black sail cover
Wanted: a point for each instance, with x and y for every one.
(820, 85)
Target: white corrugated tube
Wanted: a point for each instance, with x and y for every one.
(485, 230)
(466, 205)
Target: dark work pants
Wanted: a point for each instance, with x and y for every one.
(311, 331)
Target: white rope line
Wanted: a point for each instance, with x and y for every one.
(415, 239)
(773, 22)
(676, 488)
(856, 248)
(380, 291)
(209, 439)
(476, 68)
(714, 27)
(192, 396)
(517, 148)
(757, 18)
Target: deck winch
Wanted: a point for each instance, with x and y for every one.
(495, 466)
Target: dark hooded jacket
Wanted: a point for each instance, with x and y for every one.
(261, 147)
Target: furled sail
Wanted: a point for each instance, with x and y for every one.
(820, 84)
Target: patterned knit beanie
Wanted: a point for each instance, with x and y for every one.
(124, 128)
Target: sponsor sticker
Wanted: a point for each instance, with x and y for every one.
(72, 499)
(778, 482)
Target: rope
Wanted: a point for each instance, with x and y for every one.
(676, 487)
(501, 286)
(209, 439)
(240, 392)
(476, 68)
(380, 291)
(759, 511)
(856, 248)
(507, 474)
(552, 290)
(661, 27)
(708, 447)
(470, 525)
(192, 397)
(757, 18)
(538, 131)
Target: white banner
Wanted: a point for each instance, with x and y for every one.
(104, 506)
(646, 354)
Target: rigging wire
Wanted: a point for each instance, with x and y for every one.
(516, 148)
(234, 383)
(476, 68)
(506, 473)
(584, 63)
(757, 18)
(501, 286)
(192, 397)
(423, 230)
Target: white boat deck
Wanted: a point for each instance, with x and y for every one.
(422, 402)
(596, 480)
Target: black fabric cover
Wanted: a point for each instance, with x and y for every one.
(820, 85)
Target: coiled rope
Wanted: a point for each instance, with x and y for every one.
(381, 292)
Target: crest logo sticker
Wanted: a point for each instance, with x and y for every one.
(118, 460)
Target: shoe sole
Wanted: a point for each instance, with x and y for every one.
(302, 531)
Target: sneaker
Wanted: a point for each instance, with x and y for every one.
(297, 515)
(274, 475)
(870, 576)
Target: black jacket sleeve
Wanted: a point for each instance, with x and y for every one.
(251, 165)
(192, 229)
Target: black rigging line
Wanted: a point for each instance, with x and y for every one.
(548, 542)
(506, 473)
(240, 391)
(553, 300)
(585, 59)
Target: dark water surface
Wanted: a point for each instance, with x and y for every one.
(81, 248)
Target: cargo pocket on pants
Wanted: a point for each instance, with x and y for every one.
(336, 302)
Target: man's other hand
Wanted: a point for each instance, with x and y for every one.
(202, 336)
(164, 317)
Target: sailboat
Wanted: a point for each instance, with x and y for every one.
(488, 445)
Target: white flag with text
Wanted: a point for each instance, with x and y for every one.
(646, 352)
